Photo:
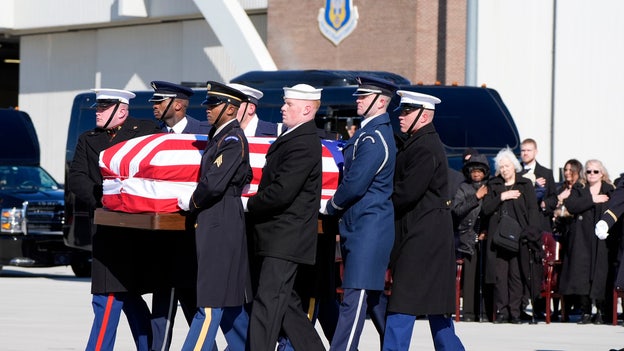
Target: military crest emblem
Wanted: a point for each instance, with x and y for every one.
(337, 19)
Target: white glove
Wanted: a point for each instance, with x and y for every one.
(244, 200)
(323, 207)
(602, 230)
(183, 204)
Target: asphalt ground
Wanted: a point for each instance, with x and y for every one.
(50, 309)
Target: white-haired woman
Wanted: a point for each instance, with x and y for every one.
(585, 265)
(511, 194)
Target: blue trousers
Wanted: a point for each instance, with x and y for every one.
(356, 303)
(107, 310)
(164, 308)
(399, 329)
(234, 322)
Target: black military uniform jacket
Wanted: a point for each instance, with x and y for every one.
(423, 256)
(285, 209)
(115, 252)
(223, 277)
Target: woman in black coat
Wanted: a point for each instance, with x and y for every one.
(585, 264)
(511, 193)
(562, 219)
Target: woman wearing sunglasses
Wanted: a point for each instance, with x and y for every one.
(585, 264)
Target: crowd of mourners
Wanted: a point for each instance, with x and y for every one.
(504, 219)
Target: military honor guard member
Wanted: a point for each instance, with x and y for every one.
(364, 201)
(115, 251)
(176, 250)
(285, 212)
(170, 102)
(248, 118)
(223, 282)
(423, 257)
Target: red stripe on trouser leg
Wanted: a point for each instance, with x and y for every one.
(107, 310)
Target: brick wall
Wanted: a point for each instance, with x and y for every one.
(400, 36)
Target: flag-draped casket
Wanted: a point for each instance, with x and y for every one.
(150, 173)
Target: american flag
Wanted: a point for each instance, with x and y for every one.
(150, 173)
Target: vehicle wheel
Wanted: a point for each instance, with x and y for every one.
(81, 268)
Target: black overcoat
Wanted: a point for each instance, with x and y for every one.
(223, 277)
(118, 253)
(523, 209)
(584, 266)
(423, 255)
(285, 209)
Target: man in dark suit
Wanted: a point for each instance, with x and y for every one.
(223, 283)
(115, 251)
(177, 262)
(423, 256)
(284, 212)
(544, 187)
(544, 181)
(170, 102)
(247, 117)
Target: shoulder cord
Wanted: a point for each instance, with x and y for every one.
(383, 141)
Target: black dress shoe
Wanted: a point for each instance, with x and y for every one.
(516, 320)
(500, 318)
(585, 319)
(597, 318)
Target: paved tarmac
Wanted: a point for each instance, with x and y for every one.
(50, 309)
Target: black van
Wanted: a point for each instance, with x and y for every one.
(31, 203)
(467, 117)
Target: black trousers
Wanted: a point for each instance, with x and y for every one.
(471, 284)
(508, 287)
(277, 307)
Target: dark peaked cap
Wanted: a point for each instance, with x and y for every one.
(217, 93)
(165, 90)
(374, 85)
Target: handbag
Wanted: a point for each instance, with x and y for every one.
(507, 235)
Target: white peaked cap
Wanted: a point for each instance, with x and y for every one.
(114, 94)
(414, 98)
(302, 92)
(253, 94)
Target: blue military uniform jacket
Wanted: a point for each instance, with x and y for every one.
(266, 129)
(222, 256)
(364, 200)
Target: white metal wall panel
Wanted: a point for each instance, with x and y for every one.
(514, 57)
(589, 74)
(124, 57)
(515, 53)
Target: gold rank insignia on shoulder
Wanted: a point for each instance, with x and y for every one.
(219, 160)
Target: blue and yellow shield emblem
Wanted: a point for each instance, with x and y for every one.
(337, 19)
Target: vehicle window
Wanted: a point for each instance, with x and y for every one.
(26, 178)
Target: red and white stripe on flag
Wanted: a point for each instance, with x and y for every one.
(150, 173)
